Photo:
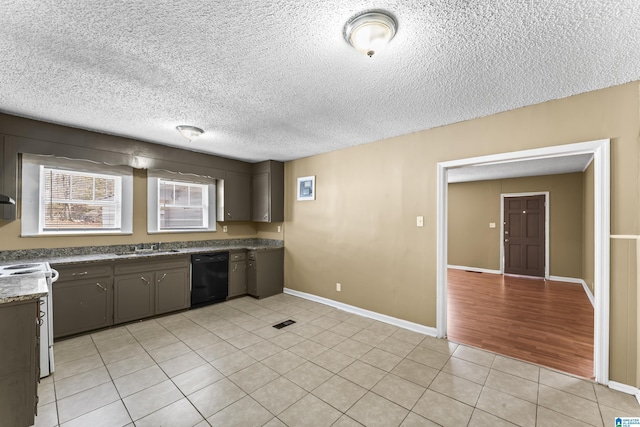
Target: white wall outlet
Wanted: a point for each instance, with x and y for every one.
(279, 229)
(338, 287)
(420, 221)
(492, 225)
(224, 228)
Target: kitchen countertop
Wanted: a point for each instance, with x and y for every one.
(106, 253)
(23, 288)
(83, 259)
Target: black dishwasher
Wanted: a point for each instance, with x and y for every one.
(209, 278)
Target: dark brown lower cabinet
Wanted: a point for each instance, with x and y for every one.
(172, 290)
(19, 363)
(237, 273)
(143, 288)
(133, 295)
(265, 272)
(82, 299)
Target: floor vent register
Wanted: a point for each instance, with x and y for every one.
(285, 323)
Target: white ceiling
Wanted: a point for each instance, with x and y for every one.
(520, 168)
(276, 80)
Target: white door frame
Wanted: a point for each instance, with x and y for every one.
(601, 154)
(546, 227)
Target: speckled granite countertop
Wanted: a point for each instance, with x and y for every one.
(22, 288)
(81, 255)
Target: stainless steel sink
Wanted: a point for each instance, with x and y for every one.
(146, 252)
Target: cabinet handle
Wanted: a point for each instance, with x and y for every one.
(235, 267)
(162, 278)
(144, 280)
(229, 214)
(80, 274)
(266, 216)
(101, 287)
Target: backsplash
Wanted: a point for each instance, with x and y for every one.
(44, 253)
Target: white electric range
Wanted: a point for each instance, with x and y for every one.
(46, 307)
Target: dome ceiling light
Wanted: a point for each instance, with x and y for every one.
(189, 132)
(369, 32)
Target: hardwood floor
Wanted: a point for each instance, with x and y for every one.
(545, 322)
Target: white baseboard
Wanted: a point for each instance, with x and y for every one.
(415, 327)
(578, 281)
(474, 269)
(624, 388)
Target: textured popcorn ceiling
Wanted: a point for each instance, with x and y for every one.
(276, 80)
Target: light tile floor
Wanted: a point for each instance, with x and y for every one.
(225, 365)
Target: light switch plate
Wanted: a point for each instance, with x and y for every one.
(224, 228)
(492, 225)
(420, 221)
(279, 229)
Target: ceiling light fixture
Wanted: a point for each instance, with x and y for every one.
(189, 132)
(369, 32)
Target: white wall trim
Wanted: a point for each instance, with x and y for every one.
(546, 226)
(624, 388)
(415, 327)
(578, 281)
(602, 163)
(442, 243)
(625, 236)
(475, 269)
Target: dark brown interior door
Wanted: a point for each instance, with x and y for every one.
(524, 235)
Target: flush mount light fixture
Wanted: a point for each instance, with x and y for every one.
(369, 32)
(189, 132)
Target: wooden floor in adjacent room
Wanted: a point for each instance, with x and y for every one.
(544, 322)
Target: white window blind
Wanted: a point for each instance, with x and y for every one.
(66, 196)
(182, 205)
(179, 202)
(80, 200)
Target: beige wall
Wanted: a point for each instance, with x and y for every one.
(361, 230)
(473, 205)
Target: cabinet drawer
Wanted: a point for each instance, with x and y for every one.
(237, 256)
(83, 271)
(138, 266)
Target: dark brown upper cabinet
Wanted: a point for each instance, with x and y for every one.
(267, 191)
(8, 175)
(234, 197)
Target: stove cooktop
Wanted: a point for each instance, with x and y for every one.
(23, 269)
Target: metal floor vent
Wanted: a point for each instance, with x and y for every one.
(285, 323)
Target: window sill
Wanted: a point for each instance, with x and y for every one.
(202, 230)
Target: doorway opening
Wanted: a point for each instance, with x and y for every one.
(600, 150)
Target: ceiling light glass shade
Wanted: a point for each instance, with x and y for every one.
(189, 132)
(370, 32)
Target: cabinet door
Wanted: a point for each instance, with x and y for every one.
(18, 362)
(133, 296)
(260, 197)
(172, 290)
(252, 283)
(269, 272)
(82, 305)
(237, 278)
(237, 197)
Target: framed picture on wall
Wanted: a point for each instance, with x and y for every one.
(306, 188)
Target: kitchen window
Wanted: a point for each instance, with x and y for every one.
(179, 202)
(63, 196)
